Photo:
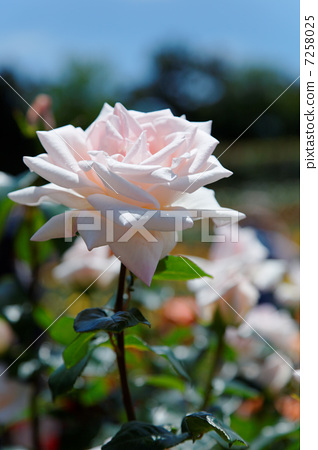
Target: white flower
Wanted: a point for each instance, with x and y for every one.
(287, 293)
(80, 266)
(231, 264)
(275, 326)
(129, 161)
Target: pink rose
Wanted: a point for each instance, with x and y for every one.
(276, 326)
(129, 161)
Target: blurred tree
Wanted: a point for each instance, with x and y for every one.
(205, 87)
(78, 96)
(80, 93)
(14, 142)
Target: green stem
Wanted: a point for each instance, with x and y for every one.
(120, 353)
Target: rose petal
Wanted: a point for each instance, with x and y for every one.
(139, 151)
(98, 236)
(205, 145)
(141, 257)
(165, 153)
(106, 111)
(59, 226)
(204, 200)
(123, 187)
(35, 195)
(65, 146)
(126, 215)
(204, 126)
(190, 183)
(130, 126)
(150, 117)
(42, 166)
(148, 174)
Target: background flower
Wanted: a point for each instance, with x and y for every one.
(233, 266)
(82, 267)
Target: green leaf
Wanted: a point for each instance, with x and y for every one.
(62, 379)
(202, 422)
(161, 350)
(95, 390)
(77, 349)
(166, 352)
(27, 250)
(143, 436)
(240, 389)
(93, 319)
(178, 268)
(43, 317)
(62, 330)
(5, 206)
(166, 382)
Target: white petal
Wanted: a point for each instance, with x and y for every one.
(130, 126)
(104, 136)
(106, 111)
(177, 145)
(127, 215)
(205, 146)
(139, 151)
(35, 195)
(62, 225)
(150, 117)
(55, 174)
(123, 187)
(213, 172)
(65, 146)
(169, 242)
(204, 200)
(204, 126)
(96, 236)
(139, 256)
(169, 125)
(147, 174)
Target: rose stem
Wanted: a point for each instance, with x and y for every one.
(119, 306)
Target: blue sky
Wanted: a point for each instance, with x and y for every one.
(37, 37)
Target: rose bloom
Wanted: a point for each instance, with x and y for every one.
(82, 267)
(279, 329)
(288, 292)
(275, 325)
(126, 164)
(41, 110)
(288, 407)
(180, 311)
(232, 265)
